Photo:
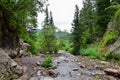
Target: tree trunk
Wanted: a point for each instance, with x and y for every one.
(9, 38)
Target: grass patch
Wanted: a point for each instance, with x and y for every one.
(47, 62)
(92, 52)
(110, 37)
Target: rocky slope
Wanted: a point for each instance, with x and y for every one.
(9, 69)
(67, 67)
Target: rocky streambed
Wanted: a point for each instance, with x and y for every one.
(68, 67)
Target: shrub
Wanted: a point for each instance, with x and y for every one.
(68, 47)
(110, 37)
(47, 62)
(91, 51)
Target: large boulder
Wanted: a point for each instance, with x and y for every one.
(24, 49)
(9, 69)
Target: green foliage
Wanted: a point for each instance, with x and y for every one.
(63, 41)
(86, 38)
(76, 33)
(22, 13)
(48, 42)
(18, 16)
(110, 37)
(103, 16)
(116, 17)
(113, 56)
(33, 48)
(47, 62)
(85, 30)
(91, 51)
(68, 46)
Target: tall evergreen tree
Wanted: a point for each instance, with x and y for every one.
(51, 18)
(76, 34)
(48, 41)
(102, 14)
(46, 16)
(118, 1)
(15, 17)
(87, 21)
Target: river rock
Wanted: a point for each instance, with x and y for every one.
(82, 66)
(113, 72)
(75, 69)
(39, 73)
(38, 63)
(53, 73)
(9, 69)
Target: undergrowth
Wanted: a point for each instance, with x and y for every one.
(92, 52)
(47, 62)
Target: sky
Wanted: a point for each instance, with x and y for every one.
(63, 13)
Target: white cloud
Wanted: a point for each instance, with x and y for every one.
(63, 12)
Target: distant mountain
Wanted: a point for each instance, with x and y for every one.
(62, 34)
(59, 34)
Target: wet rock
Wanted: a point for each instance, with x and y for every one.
(82, 66)
(39, 73)
(66, 60)
(53, 73)
(104, 62)
(78, 74)
(75, 69)
(35, 78)
(96, 66)
(58, 62)
(38, 63)
(79, 63)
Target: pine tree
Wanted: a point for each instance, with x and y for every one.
(88, 22)
(51, 18)
(46, 16)
(48, 41)
(102, 14)
(15, 17)
(118, 1)
(76, 33)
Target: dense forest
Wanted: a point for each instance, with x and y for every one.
(95, 31)
(96, 28)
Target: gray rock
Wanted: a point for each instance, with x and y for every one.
(82, 66)
(75, 69)
(38, 63)
(9, 69)
(38, 73)
(53, 73)
(24, 49)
